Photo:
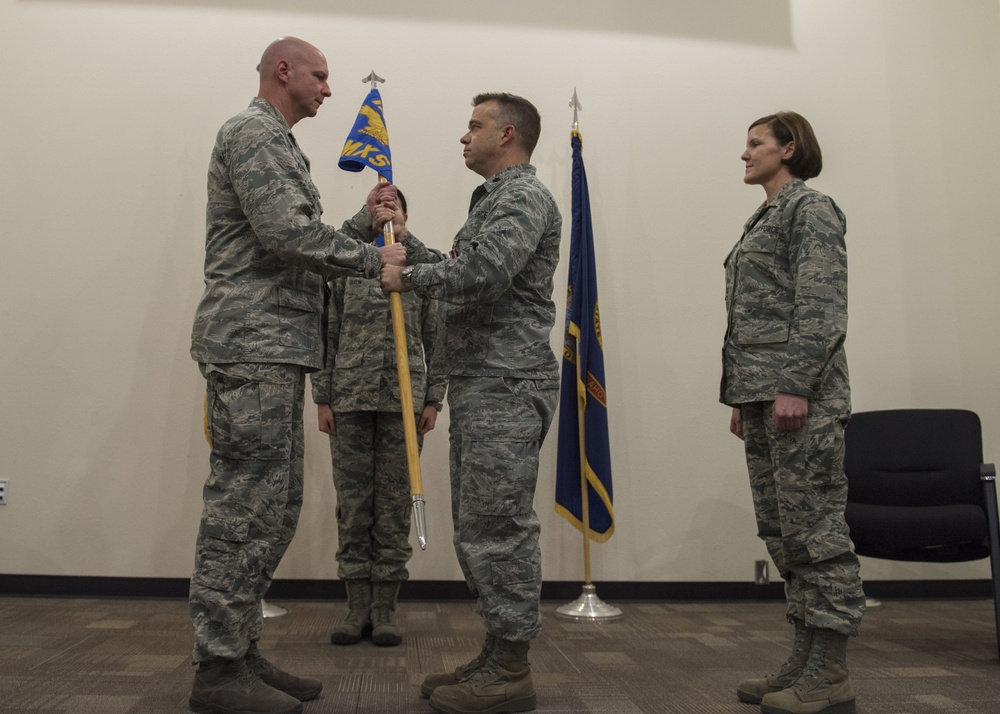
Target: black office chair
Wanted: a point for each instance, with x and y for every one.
(918, 489)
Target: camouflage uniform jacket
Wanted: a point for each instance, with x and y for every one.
(361, 350)
(498, 286)
(266, 248)
(786, 293)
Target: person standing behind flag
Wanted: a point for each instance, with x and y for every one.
(785, 377)
(502, 393)
(358, 405)
(257, 331)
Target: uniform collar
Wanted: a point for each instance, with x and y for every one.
(792, 185)
(271, 110)
(498, 178)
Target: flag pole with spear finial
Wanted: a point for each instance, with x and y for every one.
(588, 607)
(405, 390)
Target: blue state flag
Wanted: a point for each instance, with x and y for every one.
(583, 408)
(368, 142)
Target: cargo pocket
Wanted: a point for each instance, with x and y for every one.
(760, 245)
(469, 326)
(222, 555)
(250, 420)
(500, 465)
(347, 377)
(762, 332)
(299, 320)
(506, 572)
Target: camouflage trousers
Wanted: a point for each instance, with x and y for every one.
(497, 428)
(799, 495)
(252, 499)
(372, 480)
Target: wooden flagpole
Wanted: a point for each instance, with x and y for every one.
(405, 388)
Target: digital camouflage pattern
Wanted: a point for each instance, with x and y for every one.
(497, 289)
(504, 384)
(361, 383)
(497, 427)
(373, 496)
(360, 371)
(252, 499)
(786, 293)
(257, 329)
(266, 248)
(799, 494)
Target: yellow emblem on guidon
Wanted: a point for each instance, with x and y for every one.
(375, 128)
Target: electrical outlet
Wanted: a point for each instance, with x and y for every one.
(760, 572)
(3, 491)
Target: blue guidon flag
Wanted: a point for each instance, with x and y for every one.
(583, 408)
(368, 142)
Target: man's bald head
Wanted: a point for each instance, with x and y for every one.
(291, 49)
(293, 77)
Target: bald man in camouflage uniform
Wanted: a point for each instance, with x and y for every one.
(257, 331)
(502, 393)
(358, 400)
(785, 375)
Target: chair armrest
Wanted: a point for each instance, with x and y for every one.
(987, 472)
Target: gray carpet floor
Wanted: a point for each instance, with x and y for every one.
(117, 656)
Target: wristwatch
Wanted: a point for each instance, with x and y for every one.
(407, 277)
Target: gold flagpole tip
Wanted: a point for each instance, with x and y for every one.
(373, 78)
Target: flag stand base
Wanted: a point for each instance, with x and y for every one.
(269, 610)
(588, 608)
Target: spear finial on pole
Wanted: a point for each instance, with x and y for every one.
(374, 79)
(575, 103)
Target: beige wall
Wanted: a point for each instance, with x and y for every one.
(108, 115)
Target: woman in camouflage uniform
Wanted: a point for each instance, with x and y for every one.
(785, 376)
(358, 405)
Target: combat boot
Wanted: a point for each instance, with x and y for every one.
(824, 685)
(385, 630)
(753, 690)
(358, 621)
(302, 688)
(225, 686)
(503, 684)
(461, 673)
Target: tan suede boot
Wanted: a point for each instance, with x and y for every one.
(503, 684)
(223, 686)
(824, 685)
(385, 630)
(753, 690)
(302, 688)
(358, 620)
(461, 673)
